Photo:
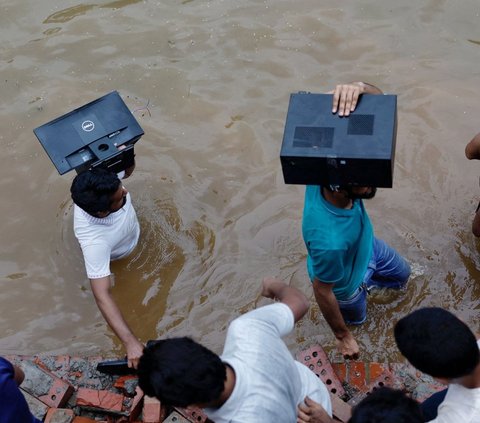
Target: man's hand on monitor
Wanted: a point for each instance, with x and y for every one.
(345, 97)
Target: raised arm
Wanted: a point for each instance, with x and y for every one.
(345, 96)
(277, 289)
(330, 309)
(113, 316)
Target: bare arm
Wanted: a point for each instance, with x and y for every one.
(472, 150)
(277, 289)
(113, 316)
(328, 304)
(345, 96)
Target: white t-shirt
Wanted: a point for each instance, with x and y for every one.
(269, 383)
(461, 405)
(104, 239)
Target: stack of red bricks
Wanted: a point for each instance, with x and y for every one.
(64, 389)
(350, 382)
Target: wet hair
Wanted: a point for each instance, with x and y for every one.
(180, 372)
(437, 343)
(93, 190)
(387, 405)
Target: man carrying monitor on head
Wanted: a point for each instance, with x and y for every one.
(107, 228)
(345, 259)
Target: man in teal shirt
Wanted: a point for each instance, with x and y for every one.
(344, 257)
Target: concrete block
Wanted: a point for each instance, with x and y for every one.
(59, 415)
(316, 360)
(192, 414)
(103, 400)
(341, 410)
(37, 407)
(127, 384)
(136, 406)
(176, 417)
(45, 386)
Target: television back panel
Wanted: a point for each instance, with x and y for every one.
(89, 136)
(322, 148)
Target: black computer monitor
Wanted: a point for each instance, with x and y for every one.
(90, 136)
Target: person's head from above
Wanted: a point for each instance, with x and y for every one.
(180, 372)
(387, 405)
(98, 192)
(354, 192)
(437, 343)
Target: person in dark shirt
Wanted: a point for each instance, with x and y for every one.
(13, 406)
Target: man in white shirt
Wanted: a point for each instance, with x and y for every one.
(256, 378)
(107, 228)
(442, 346)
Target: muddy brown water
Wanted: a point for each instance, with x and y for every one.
(209, 82)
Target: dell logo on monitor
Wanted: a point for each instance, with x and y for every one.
(88, 126)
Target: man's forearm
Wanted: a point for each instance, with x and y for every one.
(331, 311)
(113, 316)
(370, 88)
(292, 297)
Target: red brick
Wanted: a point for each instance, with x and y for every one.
(341, 410)
(357, 375)
(80, 419)
(340, 370)
(152, 410)
(104, 400)
(59, 415)
(316, 360)
(386, 379)
(39, 380)
(375, 370)
(192, 414)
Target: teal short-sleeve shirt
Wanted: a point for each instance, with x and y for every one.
(339, 242)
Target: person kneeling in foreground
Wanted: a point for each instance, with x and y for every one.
(256, 378)
(442, 346)
(13, 406)
(381, 406)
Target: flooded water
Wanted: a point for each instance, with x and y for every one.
(209, 81)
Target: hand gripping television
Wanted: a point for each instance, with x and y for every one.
(89, 136)
(322, 148)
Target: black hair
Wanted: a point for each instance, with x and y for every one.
(437, 343)
(93, 190)
(180, 372)
(387, 405)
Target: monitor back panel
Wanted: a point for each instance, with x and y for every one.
(322, 148)
(89, 135)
